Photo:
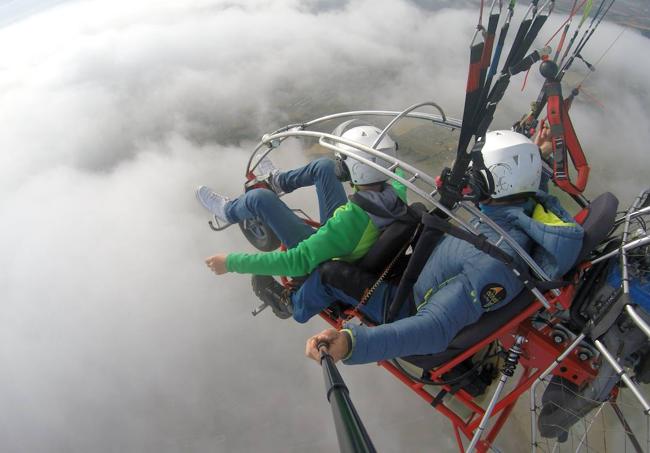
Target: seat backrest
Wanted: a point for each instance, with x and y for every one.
(597, 220)
(391, 240)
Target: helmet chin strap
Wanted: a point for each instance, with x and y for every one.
(341, 169)
(480, 180)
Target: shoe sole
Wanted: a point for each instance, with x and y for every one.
(278, 310)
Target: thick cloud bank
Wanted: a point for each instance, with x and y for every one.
(113, 335)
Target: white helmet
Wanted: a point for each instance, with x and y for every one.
(514, 162)
(361, 173)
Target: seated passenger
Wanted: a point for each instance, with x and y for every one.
(347, 232)
(458, 283)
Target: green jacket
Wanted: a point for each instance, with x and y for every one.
(347, 235)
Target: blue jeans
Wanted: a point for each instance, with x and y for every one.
(314, 296)
(265, 205)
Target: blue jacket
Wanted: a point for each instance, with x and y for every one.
(459, 283)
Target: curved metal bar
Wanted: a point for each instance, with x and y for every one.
(621, 372)
(395, 161)
(633, 215)
(440, 120)
(388, 172)
(641, 324)
(626, 231)
(250, 159)
(296, 126)
(450, 123)
(403, 114)
(428, 197)
(336, 139)
(629, 246)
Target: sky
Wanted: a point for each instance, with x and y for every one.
(114, 336)
(16, 10)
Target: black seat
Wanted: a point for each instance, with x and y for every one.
(392, 240)
(472, 334)
(597, 219)
(355, 278)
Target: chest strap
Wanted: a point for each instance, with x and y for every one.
(565, 142)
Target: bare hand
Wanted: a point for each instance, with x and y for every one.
(543, 140)
(217, 263)
(337, 341)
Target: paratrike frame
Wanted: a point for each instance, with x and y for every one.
(525, 342)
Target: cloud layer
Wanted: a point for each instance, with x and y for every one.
(113, 335)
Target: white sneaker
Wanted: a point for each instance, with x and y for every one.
(213, 202)
(265, 166)
(266, 171)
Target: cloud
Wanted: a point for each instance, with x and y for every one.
(113, 335)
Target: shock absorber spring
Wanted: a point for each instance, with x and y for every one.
(512, 358)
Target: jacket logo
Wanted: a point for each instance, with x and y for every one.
(492, 294)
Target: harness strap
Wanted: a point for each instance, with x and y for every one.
(482, 243)
(479, 241)
(411, 216)
(565, 142)
(439, 397)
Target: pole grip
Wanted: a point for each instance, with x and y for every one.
(323, 348)
(350, 431)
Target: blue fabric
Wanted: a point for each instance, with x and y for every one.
(453, 286)
(314, 296)
(321, 174)
(430, 330)
(266, 205)
(556, 248)
(639, 288)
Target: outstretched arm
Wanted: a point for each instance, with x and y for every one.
(337, 238)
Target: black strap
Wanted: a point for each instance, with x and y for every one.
(479, 241)
(482, 243)
(439, 397)
(427, 242)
